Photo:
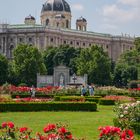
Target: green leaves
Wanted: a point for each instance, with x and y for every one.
(94, 62)
(3, 69)
(28, 61)
(63, 55)
(128, 66)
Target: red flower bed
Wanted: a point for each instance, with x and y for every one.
(18, 99)
(119, 98)
(135, 89)
(59, 132)
(27, 89)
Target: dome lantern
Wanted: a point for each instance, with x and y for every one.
(81, 24)
(30, 20)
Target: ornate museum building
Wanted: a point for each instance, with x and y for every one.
(55, 30)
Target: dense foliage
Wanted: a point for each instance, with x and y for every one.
(27, 62)
(128, 66)
(3, 69)
(63, 55)
(96, 63)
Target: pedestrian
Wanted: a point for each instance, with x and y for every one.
(91, 90)
(83, 91)
(33, 91)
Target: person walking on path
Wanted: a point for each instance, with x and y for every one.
(91, 90)
(83, 91)
(33, 91)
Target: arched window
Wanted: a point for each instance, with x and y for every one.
(67, 24)
(30, 39)
(65, 42)
(51, 39)
(47, 22)
(71, 43)
(57, 24)
(11, 51)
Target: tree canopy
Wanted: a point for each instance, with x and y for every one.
(96, 63)
(27, 62)
(64, 55)
(3, 69)
(128, 66)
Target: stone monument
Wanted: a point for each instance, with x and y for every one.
(60, 77)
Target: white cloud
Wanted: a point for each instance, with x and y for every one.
(116, 14)
(129, 2)
(123, 11)
(78, 7)
(109, 27)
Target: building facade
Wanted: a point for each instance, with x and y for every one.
(55, 30)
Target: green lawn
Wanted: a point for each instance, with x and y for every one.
(81, 124)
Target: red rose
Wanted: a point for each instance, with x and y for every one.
(23, 129)
(52, 136)
(69, 136)
(49, 127)
(4, 124)
(130, 133)
(62, 130)
(10, 125)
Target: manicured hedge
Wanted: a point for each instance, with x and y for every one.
(67, 94)
(106, 102)
(72, 98)
(49, 106)
(92, 100)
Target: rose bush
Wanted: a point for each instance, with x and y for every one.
(115, 133)
(128, 113)
(52, 132)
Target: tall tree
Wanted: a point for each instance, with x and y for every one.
(28, 61)
(96, 63)
(64, 55)
(3, 69)
(128, 66)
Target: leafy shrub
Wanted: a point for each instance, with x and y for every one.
(93, 98)
(134, 126)
(134, 84)
(5, 89)
(127, 114)
(72, 98)
(106, 102)
(48, 106)
(104, 91)
(134, 93)
(5, 98)
(22, 85)
(56, 98)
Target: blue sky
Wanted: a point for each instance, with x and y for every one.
(105, 16)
